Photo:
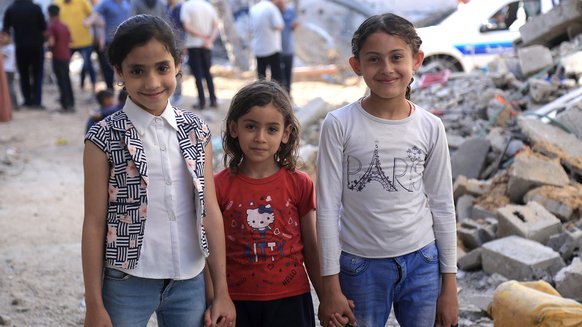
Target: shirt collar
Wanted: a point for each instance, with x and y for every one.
(142, 119)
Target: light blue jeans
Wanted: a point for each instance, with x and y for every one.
(410, 283)
(130, 301)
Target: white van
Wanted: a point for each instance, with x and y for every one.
(476, 32)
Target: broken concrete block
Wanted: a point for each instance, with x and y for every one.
(566, 242)
(474, 187)
(529, 171)
(547, 28)
(571, 118)
(473, 233)
(560, 201)
(531, 221)
(553, 141)
(312, 112)
(464, 207)
(569, 279)
(541, 90)
(470, 261)
(498, 137)
(518, 258)
(572, 63)
(482, 212)
(534, 58)
(469, 159)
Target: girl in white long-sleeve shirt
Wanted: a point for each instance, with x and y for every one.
(385, 218)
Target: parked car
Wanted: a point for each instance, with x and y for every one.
(476, 32)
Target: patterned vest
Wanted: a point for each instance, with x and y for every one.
(128, 180)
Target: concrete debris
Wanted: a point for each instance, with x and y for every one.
(531, 221)
(569, 279)
(518, 258)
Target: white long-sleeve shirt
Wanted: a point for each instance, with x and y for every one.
(384, 187)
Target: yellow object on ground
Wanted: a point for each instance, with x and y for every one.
(533, 304)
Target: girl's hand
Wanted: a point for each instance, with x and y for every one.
(221, 313)
(97, 317)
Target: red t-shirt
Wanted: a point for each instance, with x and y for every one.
(262, 225)
(60, 32)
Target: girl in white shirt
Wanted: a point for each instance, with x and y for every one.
(385, 213)
(151, 215)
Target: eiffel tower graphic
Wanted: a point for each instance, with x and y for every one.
(374, 173)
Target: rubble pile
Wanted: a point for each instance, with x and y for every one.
(515, 138)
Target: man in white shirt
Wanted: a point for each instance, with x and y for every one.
(267, 24)
(200, 22)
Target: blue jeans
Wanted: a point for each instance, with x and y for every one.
(410, 283)
(130, 301)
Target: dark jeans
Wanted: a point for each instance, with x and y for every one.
(287, 70)
(106, 69)
(30, 63)
(85, 53)
(61, 71)
(200, 60)
(274, 63)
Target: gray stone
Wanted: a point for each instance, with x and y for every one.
(534, 58)
(566, 242)
(553, 141)
(545, 29)
(518, 258)
(571, 118)
(469, 159)
(531, 221)
(312, 112)
(559, 208)
(529, 171)
(569, 279)
(473, 233)
(470, 261)
(464, 207)
(474, 187)
(481, 212)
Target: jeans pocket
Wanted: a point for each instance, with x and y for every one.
(430, 253)
(115, 275)
(352, 265)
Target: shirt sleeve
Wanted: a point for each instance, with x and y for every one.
(328, 192)
(439, 189)
(307, 194)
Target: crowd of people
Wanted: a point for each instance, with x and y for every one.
(163, 234)
(86, 27)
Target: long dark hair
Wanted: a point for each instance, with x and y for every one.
(261, 93)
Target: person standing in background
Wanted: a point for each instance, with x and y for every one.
(287, 42)
(73, 15)
(113, 13)
(267, 24)
(149, 7)
(173, 9)
(200, 22)
(25, 21)
(9, 57)
(59, 38)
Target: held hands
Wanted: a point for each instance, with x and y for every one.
(336, 311)
(220, 313)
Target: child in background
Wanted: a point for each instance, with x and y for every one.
(269, 211)
(107, 106)
(59, 38)
(9, 56)
(151, 221)
(386, 218)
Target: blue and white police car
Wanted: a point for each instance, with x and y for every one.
(475, 33)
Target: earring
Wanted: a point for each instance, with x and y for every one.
(179, 75)
(120, 83)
